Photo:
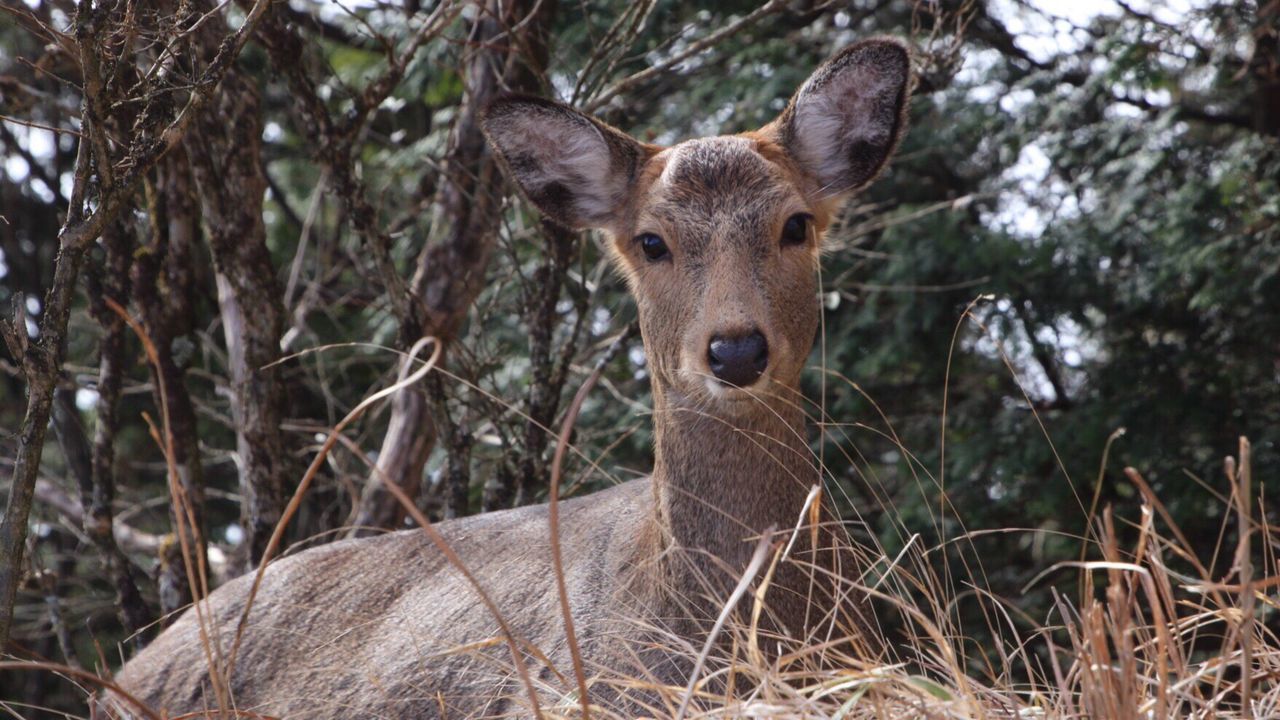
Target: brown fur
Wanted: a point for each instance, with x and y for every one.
(384, 627)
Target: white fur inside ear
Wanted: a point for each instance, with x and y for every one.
(564, 164)
(845, 120)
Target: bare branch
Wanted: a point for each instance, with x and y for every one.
(771, 7)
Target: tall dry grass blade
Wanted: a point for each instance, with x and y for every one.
(194, 563)
(1244, 570)
(508, 634)
(1097, 487)
(753, 568)
(553, 519)
(296, 501)
(1183, 546)
(946, 386)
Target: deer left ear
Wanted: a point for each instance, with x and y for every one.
(844, 123)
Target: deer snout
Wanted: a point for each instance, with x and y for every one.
(738, 359)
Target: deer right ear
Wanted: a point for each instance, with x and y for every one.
(576, 170)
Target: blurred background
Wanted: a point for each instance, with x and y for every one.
(1073, 266)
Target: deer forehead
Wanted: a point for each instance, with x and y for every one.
(719, 187)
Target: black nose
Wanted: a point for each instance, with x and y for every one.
(738, 360)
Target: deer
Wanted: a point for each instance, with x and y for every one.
(719, 240)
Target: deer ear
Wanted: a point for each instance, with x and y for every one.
(842, 125)
(575, 169)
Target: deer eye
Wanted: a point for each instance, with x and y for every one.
(653, 247)
(796, 229)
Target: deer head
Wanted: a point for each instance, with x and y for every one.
(718, 237)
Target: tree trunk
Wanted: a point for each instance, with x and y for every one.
(112, 281)
(450, 272)
(163, 287)
(225, 152)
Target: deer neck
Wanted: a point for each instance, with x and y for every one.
(722, 479)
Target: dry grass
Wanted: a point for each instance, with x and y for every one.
(1142, 641)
